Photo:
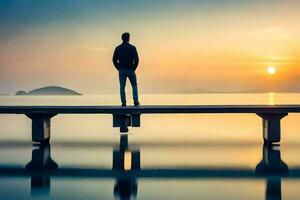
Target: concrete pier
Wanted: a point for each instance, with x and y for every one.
(124, 117)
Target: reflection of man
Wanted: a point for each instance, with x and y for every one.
(126, 60)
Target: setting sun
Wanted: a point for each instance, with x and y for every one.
(271, 70)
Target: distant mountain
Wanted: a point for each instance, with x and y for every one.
(49, 90)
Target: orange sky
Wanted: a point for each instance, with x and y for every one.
(206, 46)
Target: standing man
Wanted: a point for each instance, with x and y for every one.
(126, 60)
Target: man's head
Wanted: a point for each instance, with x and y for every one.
(125, 37)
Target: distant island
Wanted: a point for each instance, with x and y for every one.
(49, 90)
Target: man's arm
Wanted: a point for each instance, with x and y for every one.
(116, 59)
(135, 58)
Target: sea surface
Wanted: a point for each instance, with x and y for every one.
(171, 156)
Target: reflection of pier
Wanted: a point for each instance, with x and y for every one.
(126, 170)
(271, 163)
(273, 166)
(125, 160)
(41, 161)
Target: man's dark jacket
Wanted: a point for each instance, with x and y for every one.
(126, 57)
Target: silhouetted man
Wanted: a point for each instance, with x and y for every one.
(126, 60)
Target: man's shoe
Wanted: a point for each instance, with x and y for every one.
(124, 129)
(123, 104)
(136, 103)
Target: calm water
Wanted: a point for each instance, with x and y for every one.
(205, 156)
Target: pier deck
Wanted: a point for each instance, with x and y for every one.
(124, 117)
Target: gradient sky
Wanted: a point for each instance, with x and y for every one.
(184, 46)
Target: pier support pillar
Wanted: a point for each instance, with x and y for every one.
(135, 120)
(40, 127)
(124, 121)
(271, 126)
